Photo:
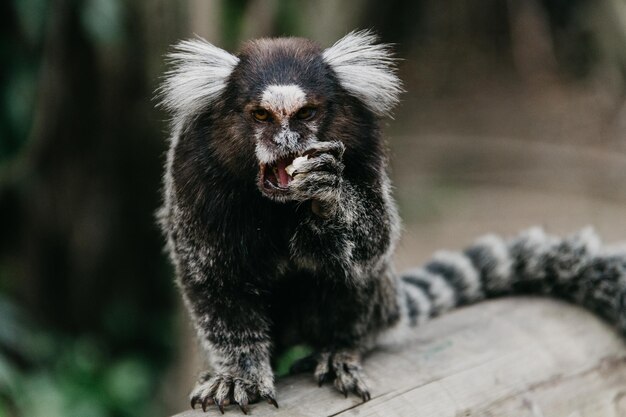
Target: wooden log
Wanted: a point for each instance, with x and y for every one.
(511, 357)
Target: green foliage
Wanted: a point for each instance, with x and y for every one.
(287, 19)
(31, 15)
(18, 77)
(289, 357)
(103, 20)
(49, 374)
(232, 16)
(114, 368)
(18, 102)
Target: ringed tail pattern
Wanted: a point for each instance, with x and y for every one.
(576, 268)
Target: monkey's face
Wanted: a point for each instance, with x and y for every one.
(275, 100)
(286, 123)
(284, 89)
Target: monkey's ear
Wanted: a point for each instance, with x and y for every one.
(197, 78)
(366, 69)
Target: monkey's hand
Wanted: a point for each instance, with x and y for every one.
(353, 219)
(222, 389)
(319, 178)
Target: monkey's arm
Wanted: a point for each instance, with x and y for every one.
(347, 234)
(349, 225)
(231, 324)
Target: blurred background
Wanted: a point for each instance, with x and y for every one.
(514, 115)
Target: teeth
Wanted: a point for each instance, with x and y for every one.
(275, 172)
(295, 164)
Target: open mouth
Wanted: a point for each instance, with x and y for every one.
(276, 176)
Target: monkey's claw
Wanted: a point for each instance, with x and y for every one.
(271, 400)
(220, 405)
(222, 390)
(344, 369)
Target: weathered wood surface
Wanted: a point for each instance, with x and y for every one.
(511, 357)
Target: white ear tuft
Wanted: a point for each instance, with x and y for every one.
(198, 76)
(366, 69)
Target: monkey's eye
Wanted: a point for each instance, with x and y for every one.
(261, 115)
(305, 113)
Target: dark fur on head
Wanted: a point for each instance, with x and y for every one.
(266, 256)
(233, 131)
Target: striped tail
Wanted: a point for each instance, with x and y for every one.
(576, 268)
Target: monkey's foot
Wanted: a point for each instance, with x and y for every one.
(223, 389)
(344, 369)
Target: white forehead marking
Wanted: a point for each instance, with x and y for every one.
(283, 100)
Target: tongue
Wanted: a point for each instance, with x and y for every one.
(283, 177)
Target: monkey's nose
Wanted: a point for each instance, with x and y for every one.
(287, 137)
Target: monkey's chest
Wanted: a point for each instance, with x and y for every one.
(307, 308)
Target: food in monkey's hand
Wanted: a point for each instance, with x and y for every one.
(296, 164)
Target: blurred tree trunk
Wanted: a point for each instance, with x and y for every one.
(85, 188)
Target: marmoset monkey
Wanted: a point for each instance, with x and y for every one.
(281, 224)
